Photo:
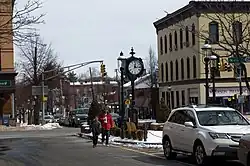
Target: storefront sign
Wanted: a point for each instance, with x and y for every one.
(230, 91)
(5, 83)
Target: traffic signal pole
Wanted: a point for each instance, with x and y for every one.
(73, 67)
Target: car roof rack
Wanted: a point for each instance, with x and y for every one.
(204, 105)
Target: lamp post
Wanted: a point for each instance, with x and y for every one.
(170, 97)
(122, 109)
(207, 48)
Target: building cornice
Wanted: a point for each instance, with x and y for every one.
(198, 7)
(199, 81)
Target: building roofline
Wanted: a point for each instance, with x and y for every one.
(171, 15)
(197, 7)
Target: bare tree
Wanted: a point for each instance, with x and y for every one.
(35, 58)
(228, 30)
(86, 75)
(151, 66)
(21, 19)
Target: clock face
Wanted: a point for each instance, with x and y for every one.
(135, 67)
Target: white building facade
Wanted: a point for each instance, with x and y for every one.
(180, 37)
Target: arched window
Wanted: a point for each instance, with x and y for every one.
(176, 70)
(161, 46)
(166, 71)
(193, 34)
(188, 68)
(162, 72)
(187, 36)
(182, 69)
(213, 32)
(181, 38)
(170, 42)
(237, 32)
(175, 41)
(171, 71)
(165, 44)
(194, 67)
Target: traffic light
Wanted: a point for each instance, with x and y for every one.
(228, 67)
(103, 70)
(222, 65)
(225, 66)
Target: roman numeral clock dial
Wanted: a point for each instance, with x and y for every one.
(135, 67)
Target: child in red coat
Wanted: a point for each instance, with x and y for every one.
(106, 122)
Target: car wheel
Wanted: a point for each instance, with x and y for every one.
(248, 159)
(168, 151)
(199, 154)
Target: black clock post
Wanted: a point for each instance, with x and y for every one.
(134, 69)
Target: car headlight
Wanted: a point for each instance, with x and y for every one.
(218, 135)
(78, 118)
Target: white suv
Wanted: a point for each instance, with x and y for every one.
(204, 131)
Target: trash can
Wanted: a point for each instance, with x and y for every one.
(6, 121)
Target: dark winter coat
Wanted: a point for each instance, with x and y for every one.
(96, 127)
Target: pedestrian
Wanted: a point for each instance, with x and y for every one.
(96, 130)
(107, 123)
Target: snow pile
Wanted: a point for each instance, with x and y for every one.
(146, 121)
(154, 140)
(47, 126)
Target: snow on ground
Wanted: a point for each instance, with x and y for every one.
(47, 126)
(146, 120)
(25, 127)
(154, 140)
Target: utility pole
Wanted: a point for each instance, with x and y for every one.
(119, 89)
(75, 66)
(92, 87)
(36, 107)
(206, 59)
(241, 91)
(122, 103)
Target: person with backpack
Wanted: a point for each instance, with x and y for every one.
(96, 130)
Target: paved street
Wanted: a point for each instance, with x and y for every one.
(59, 147)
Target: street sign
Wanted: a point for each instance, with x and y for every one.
(236, 59)
(37, 90)
(5, 83)
(247, 59)
(239, 59)
(127, 101)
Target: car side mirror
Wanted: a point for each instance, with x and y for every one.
(189, 124)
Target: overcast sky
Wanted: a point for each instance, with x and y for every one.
(84, 30)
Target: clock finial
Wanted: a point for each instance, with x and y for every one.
(132, 53)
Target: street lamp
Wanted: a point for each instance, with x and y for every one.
(170, 97)
(122, 59)
(207, 48)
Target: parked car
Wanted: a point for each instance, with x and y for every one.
(78, 116)
(57, 117)
(116, 118)
(204, 131)
(49, 119)
(244, 150)
(61, 121)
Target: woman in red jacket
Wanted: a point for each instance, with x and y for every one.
(107, 122)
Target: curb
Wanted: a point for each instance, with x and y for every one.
(119, 141)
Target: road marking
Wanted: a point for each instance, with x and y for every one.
(151, 154)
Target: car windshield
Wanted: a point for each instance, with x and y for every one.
(82, 111)
(216, 118)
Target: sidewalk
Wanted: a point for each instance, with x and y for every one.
(153, 141)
